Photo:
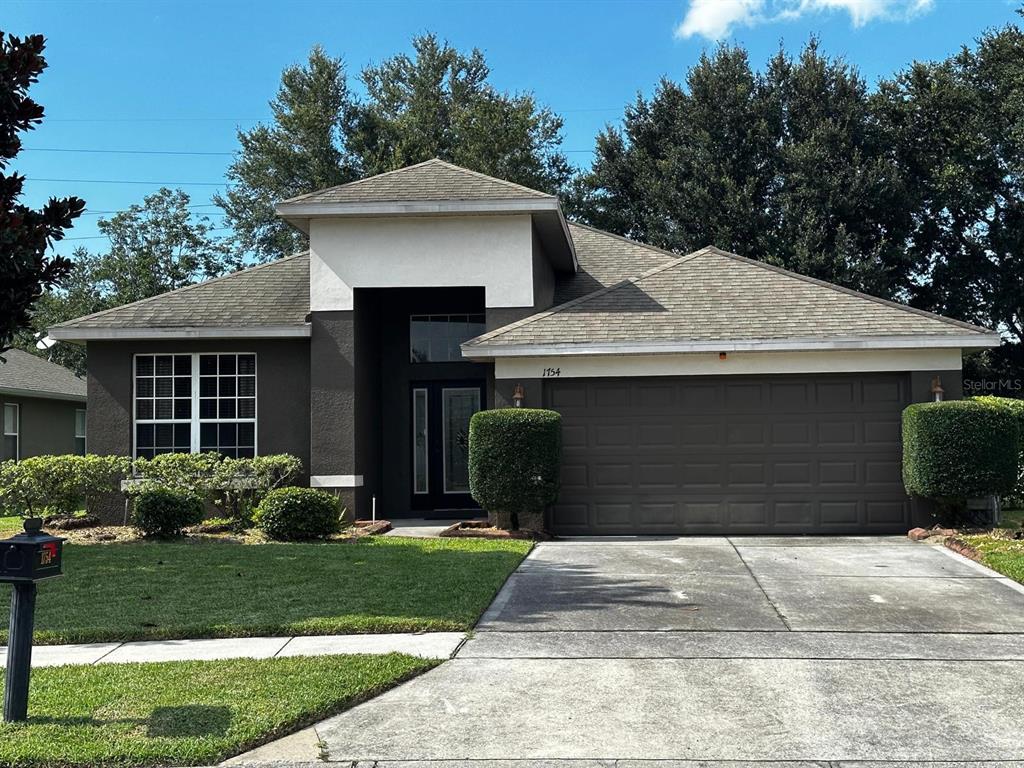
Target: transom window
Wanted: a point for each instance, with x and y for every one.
(436, 338)
(186, 403)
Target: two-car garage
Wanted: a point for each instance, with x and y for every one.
(731, 454)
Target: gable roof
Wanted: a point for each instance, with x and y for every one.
(432, 180)
(264, 301)
(27, 375)
(715, 300)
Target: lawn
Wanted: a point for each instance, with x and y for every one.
(1003, 555)
(1011, 518)
(171, 590)
(10, 525)
(186, 712)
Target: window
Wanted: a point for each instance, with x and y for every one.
(420, 456)
(186, 403)
(436, 338)
(10, 446)
(80, 432)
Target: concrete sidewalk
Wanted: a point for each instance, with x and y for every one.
(430, 645)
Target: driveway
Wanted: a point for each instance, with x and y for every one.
(718, 651)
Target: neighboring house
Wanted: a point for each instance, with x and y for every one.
(702, 393)
(44, 407)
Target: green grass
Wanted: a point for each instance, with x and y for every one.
(1011, 518)
(186, 712)
(170, 590)
(10, 525)
(1003, 555)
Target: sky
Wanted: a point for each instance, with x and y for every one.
(144, 94)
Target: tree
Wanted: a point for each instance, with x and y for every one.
(302, 151)
(25, 269)
(437, 103)
(154, 248)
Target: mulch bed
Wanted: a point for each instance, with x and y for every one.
(481, 529)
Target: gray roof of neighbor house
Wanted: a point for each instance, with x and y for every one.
(432, 180)
(711, 299)
(268, 300)
(26, 375)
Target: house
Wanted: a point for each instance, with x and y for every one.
(44, 407)
(701, 393)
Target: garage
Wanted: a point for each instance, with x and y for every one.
(731, 454)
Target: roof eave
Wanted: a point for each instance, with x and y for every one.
(183, 332)
(41, 394)
(966, 341)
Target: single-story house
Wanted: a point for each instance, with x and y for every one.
(44, 407)
(700, 393)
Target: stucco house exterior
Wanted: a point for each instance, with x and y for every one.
(700, 393)
(43, 407)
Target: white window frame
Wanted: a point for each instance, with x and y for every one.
(444, 431)
(16, 434)
(426, 441)
(195, 421)
(84, 437)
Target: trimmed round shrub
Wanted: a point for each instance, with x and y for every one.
(515, 459)
(294, 514)
(959, 449)
(163, 512)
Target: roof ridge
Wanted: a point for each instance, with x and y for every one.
(431, 161)
(848, 291)
(583, 299)
(183, 288)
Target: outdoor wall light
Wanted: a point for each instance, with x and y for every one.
(722, 355)
(518, 396)
(937, 390)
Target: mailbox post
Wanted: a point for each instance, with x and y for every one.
(25, 559)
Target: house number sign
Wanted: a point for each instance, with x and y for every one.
(549, 372)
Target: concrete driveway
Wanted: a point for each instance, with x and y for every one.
(719, 651)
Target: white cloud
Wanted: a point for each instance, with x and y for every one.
(715, 19)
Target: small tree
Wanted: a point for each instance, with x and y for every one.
(25, 269)
(514, 464)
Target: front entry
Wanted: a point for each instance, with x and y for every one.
(441, 411)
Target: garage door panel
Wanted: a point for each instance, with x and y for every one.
(737, 454)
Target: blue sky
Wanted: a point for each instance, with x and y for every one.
(183, 76)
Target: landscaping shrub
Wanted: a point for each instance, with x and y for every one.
(1014, 499)
(293, 514)
(165, 512)
(43, 486)
(959, 449)
(514, 464)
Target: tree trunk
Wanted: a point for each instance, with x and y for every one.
(499, 519)
(532, 521)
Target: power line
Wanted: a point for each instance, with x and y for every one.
(105, 237)
(123, 181)
(123, 210)
(155, 119)
(127, 151)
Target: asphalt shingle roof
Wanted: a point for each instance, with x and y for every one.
(274, 294)
(24, 372)
(604, 260)
(433, 180)
(712, 295)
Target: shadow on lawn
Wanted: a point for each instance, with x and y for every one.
(186, 721)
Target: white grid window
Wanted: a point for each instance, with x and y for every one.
(80, 432)
(11, 431)
(186, 403)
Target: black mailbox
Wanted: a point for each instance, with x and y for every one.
(30, 556)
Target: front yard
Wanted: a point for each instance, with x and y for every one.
(1000, 554)
(194, 588)
(186, 713)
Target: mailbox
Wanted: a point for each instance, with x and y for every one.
(30, 556)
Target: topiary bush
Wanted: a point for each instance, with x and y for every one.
(959, 449)
(163, 512)
(515, 459)
(294, 514)
(1014, 499)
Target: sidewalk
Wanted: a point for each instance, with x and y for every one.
(430, 645)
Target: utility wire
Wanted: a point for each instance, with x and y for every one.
(127, 151)
(123, 181)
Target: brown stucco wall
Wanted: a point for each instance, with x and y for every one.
(282, 391)
(46, 426)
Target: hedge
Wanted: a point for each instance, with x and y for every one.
(1016, 497)
(294, 514)
(514, 464)
(959, 449)
(40, 486)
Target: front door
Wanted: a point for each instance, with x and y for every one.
(441, 411)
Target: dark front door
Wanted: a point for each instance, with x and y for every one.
(441, 411)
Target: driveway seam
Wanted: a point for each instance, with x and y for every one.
(760, 586)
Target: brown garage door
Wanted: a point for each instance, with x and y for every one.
(737, 454)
